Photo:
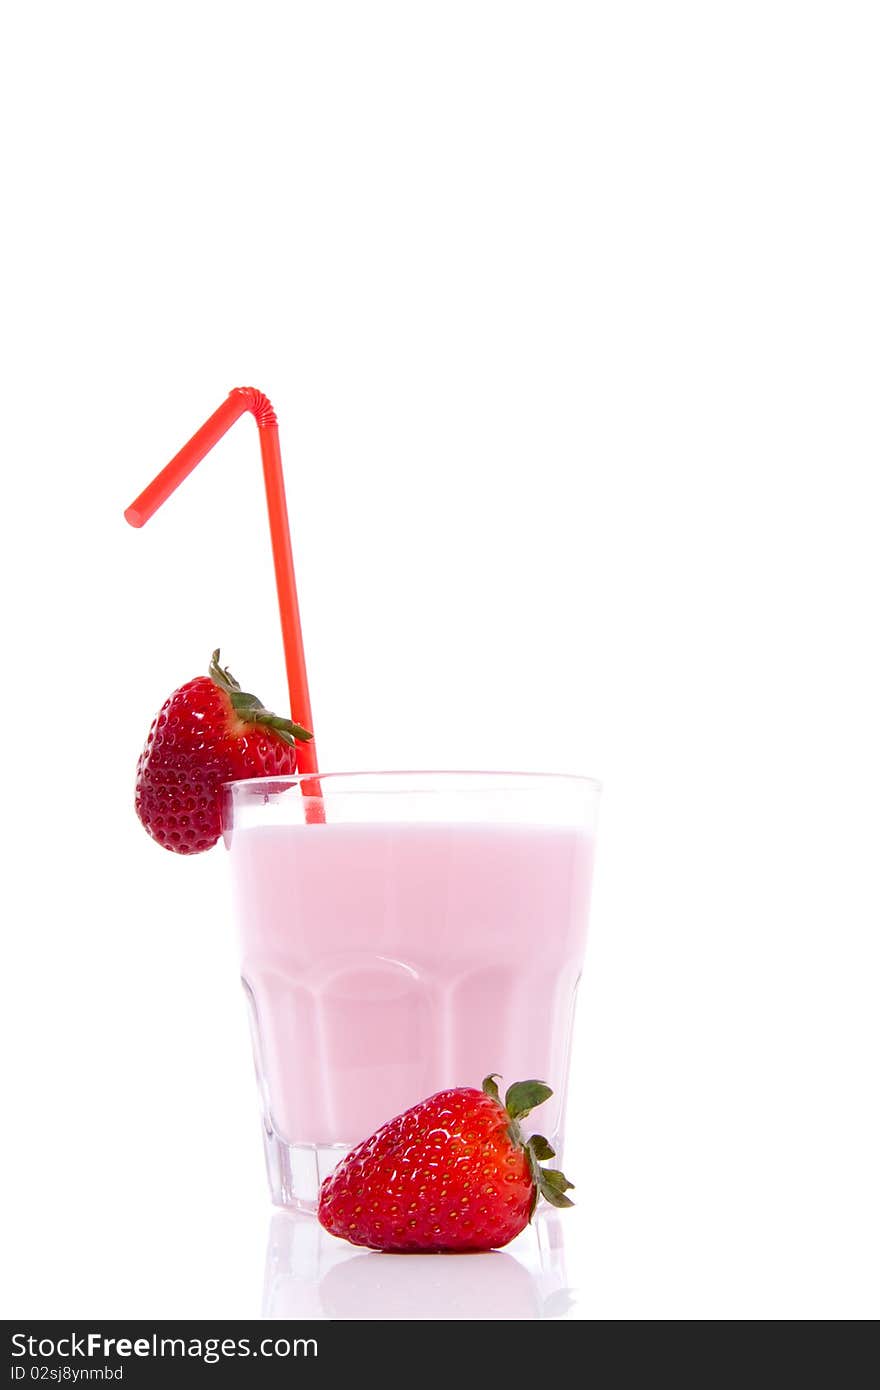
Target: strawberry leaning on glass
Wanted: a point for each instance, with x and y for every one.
(208, 732)
(453, 1173)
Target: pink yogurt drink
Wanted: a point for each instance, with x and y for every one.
(427, 930)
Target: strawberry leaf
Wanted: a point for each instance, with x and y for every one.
(524, 1096)
(540, 1147)
(490, 1088)
(554, 1186)
(221, 675)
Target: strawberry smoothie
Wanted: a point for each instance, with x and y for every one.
(386, 958)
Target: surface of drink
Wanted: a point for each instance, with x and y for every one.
(385, 960)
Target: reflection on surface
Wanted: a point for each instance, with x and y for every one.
(310, 1274)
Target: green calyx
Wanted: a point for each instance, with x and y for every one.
(250, 709)
(520, 1099)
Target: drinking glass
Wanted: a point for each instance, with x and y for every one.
(401, 933)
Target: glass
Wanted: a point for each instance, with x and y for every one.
(404, 933)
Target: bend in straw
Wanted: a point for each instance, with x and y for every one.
(239, 401)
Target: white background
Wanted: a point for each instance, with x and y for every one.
(570, 316)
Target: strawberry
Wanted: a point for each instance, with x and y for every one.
(452, 1173)
(208, 732)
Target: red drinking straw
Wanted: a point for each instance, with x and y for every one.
(240, 400)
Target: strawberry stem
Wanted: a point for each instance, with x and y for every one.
(250, 708)
(521, 1098)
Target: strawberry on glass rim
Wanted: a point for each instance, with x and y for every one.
(453, 1173)
(208, 732)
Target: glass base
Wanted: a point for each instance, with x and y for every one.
(296, 1171)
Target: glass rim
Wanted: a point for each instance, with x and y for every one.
(481, 779)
